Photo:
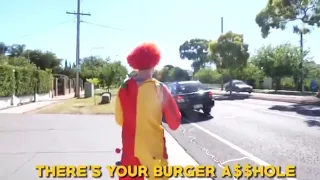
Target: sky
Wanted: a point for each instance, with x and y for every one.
(116, 27)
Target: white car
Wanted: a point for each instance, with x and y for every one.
(238, 86)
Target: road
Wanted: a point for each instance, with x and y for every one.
(255, 132)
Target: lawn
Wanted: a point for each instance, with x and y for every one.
(80, 106)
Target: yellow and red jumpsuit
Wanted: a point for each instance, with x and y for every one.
(140, 110)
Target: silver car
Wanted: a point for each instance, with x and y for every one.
(238, 86)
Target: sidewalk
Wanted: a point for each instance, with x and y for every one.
(27, 140)
(272, 97)
(35, 105)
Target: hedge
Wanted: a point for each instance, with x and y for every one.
(23, 81)
(7, 83)
(43, 77)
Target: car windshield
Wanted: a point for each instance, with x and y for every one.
(239, 82)
(191, 87)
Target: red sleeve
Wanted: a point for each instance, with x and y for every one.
(170, 109)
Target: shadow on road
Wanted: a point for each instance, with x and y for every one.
(307, 110)
(313, 123)
(194, 117)
(232, 97)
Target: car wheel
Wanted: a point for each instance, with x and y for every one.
(206, 110)
(250, 92)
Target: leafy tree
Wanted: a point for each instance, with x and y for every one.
(164, 75)
(278, 13)
(112, 74)
(229, 52)
(208, 76)
(3, 48)
(178, 74)
(252, 74)
(91, 66)
(195, 50)
(43, 60)
(277, 62)
(17, 50)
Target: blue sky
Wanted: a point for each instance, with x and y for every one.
(44, 24)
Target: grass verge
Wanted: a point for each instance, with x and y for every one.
(80, 106)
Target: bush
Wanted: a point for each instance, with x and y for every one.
(7, 84)
(287, 83)
(44, 81)
(26, 80)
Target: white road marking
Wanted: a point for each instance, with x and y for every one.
(237, 148)
(232, 160)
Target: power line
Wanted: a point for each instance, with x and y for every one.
(104, 26)
(47, 30)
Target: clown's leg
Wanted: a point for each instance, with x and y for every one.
(130, 162)
(159, 162)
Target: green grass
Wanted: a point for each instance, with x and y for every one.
(81, 106)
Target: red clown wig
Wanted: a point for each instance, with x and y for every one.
(145, 56)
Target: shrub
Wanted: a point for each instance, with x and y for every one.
(23, 81)
(44, 81)
(26, 80)
(7, 84)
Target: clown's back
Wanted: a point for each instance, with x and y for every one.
(140, 109)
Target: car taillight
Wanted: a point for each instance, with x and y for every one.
(180, 99)
(210, 94)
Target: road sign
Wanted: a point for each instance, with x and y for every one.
(314, 86)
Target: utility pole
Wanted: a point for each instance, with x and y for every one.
(77, 93)
(302, 56)
(221, 26)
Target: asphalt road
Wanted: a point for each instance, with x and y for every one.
(255, 132)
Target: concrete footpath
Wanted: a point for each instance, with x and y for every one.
(35, 105)
(307, 100)
(27, 140)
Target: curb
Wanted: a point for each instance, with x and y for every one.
(288, 100)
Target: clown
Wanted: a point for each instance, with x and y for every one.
(141, 105)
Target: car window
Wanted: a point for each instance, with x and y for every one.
(172, 88)
(191, 87)
(239, 82)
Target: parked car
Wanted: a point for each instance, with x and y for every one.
(192, 95)
(238, 86)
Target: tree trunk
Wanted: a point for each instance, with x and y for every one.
(277, 83)
(231, 86)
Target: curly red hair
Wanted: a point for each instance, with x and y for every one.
(145, 56)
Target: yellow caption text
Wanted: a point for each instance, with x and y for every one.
(96, 171)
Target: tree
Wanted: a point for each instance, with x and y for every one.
(17, 50)
(43, 60)
(229, 52)
(277, 62)
(178, 74)
(278, 13)
(195, 50)
(170, 73)
(91, 66)
(208, 76)
(3, 48)
(112, 73)
(252, 74)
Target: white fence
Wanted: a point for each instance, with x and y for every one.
(6, 102)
